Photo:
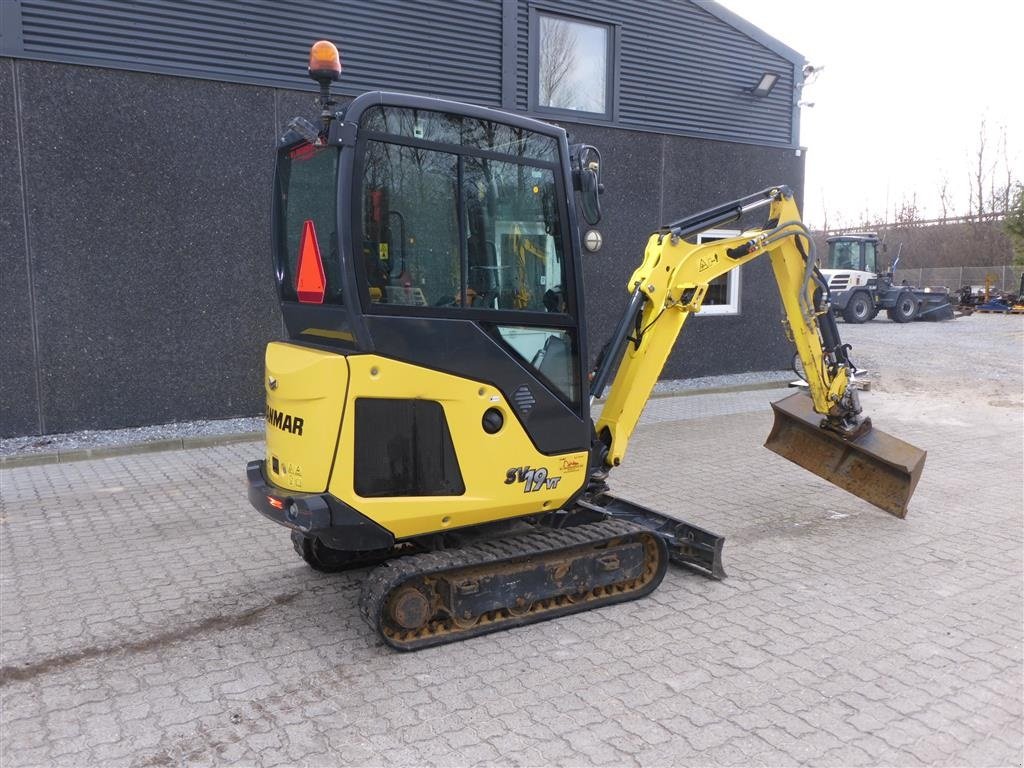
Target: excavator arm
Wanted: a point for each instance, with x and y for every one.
(827, 435)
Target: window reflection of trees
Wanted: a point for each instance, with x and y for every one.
(572, 65)
(557, 59)
(411, 202)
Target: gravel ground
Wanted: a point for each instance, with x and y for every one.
(118, 438)
(754, 379)
(977, 360)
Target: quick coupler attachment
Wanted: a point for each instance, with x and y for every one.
(875, 466)
(687, 544)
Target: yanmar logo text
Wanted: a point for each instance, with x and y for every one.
(284, 421)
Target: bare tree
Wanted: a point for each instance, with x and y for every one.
(1005, 193)
(988, 195)
(945, 198)
(558, 47)
(1014, 224)
(908, 213)
(869, 220)
(977, 176)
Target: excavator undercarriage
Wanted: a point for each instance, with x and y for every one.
(448, 595)
(600, 550)
(603, 550)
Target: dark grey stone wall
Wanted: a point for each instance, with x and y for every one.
(652, 179)
(702, 173)
(19, 396)
(147, 206)
(146, 293)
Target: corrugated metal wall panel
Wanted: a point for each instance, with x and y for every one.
(682, 70)
(448, 48)
(523, 56)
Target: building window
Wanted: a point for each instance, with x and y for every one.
(723, 296)
(572, 65)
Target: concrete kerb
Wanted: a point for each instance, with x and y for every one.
(772, 384)
(154, 446)
(205, 441)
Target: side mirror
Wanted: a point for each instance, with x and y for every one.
(590, 188)
(586, 179)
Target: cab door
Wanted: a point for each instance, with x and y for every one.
(462, 224)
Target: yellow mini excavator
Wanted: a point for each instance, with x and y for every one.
(429, 414)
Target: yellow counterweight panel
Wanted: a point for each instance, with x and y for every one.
(484, 459)
(305, 391)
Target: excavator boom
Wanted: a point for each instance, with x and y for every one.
(824, 430)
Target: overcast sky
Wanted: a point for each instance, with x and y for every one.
(900, 101)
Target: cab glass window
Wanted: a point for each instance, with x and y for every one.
(410, 227)
(549, 351)
(307, 191)
(870, 258)
(448, 230)
(514, 251)
(844, 254)
(460, 131)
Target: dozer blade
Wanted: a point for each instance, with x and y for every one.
(877, 467)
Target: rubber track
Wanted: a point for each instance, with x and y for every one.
(384, 579)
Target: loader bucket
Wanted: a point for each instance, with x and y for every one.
(875, 466)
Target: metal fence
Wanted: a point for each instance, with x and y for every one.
(999, 278)
(879, 226)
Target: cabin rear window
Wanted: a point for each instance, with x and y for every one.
(307, 190)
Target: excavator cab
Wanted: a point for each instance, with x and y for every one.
(853, 252)
(428, 276)
(418, 222)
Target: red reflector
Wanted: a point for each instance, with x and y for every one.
(275, 503)
(310, 281)
(302, 152)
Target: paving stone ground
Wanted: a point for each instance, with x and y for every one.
(149, 618)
